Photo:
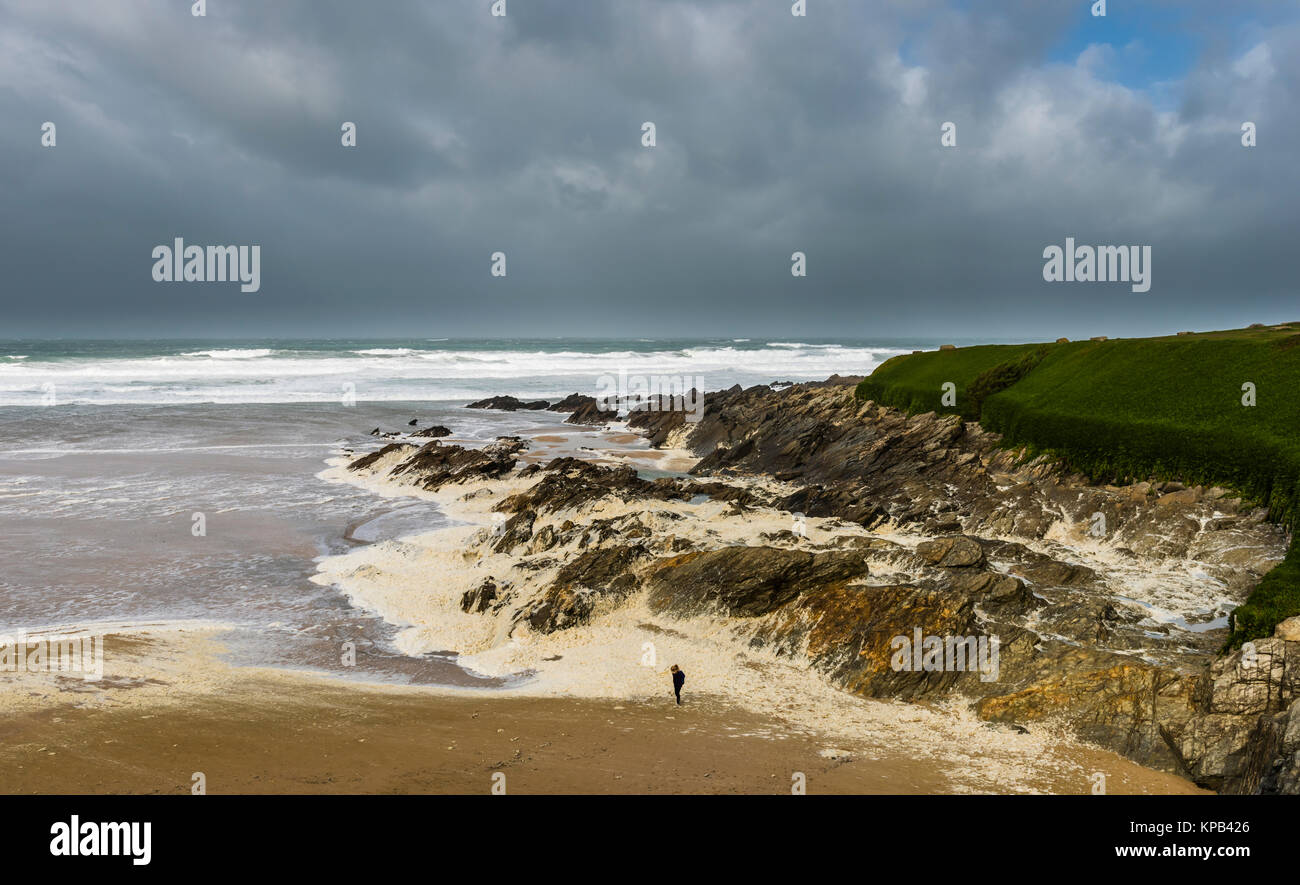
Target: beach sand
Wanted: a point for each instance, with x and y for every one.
(168, 707)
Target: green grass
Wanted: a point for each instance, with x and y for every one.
(914, 383)
(1276, 598)
(1164, 408)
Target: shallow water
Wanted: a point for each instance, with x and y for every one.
(97, 522)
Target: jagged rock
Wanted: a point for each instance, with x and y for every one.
(481, 598)
(516, 530)
(1239, 742)
(1134, 708)
(943, 525)
(595, 575)
(367, 461)
(508, 404)
(544, 540)
(1273, 765)
(956, 552)
(592, 412)
(434, 432)
(747, 581)
(1051, 572)
(854, 633)
(568, 483)
(659, 416)
(572, 403)
(1253, 680)
(1001, 593)
(436, 465)
(1070, 647)
(871, 465)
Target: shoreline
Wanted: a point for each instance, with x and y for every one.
(524, 593)
(585, 685)
(258, 731)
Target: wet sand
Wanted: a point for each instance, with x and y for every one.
(167, 709)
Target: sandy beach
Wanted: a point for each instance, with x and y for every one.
(169, 707)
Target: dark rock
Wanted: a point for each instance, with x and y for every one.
(436, 465)
(508, 404)
(602, 574)
(572, 403)
(871, 465)
(747, 581)
(851, 633)
(515, 531)
(366, 461)
(571, 482)
(954, 552)
(435, 432)
(481, 598)
(999, 593)
(593, 412)
(658, 416)
(544, 540)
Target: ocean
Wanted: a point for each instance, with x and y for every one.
(277, 371)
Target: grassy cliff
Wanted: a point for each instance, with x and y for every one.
(1168, 408)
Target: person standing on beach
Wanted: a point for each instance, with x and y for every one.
(679, 678)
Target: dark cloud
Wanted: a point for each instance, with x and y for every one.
(775, 134)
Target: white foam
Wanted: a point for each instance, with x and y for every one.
(260, 375)
(417, 582)
(232, 354)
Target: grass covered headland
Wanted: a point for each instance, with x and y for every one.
(1175, 408)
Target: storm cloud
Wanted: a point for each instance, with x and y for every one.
(522, 134)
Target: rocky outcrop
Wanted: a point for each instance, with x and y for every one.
(957, 552)
(656, 416)
(1096, 662)
(571, 403)
(659, 417)
(596, 576)
(570, 483)
(748, 581)
(933, 544)
(366, 462)
(481, 598)
(592, 412)
(1247, 732)
(508, 404)
(437, 431)
(437, 465)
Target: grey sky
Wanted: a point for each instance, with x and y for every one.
(523, 134)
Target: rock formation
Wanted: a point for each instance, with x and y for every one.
(870, 544)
